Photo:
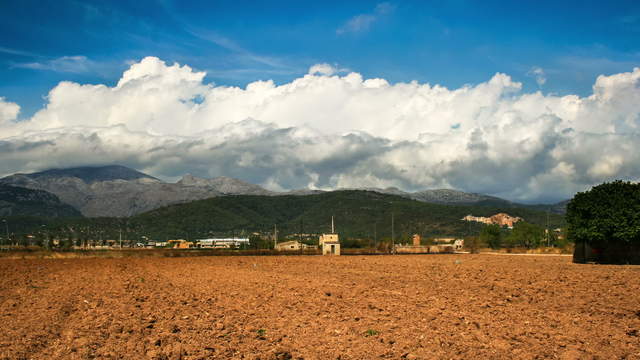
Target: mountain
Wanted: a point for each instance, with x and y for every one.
(358, 215)
(18, 201)
(444, 196)
(455, 197)
(109, 190)
(92, 174)
(117, 191)
(557, 208)
(224, 185)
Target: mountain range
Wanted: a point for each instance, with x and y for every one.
(118, 191)
(19, 201)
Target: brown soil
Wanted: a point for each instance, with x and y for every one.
(350, 307)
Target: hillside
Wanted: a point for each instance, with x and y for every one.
(17, 201)
(118, 191)
(113, 191)
(357, 214)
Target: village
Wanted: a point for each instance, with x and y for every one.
(329, 243)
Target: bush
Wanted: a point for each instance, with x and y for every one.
(526, 235)
(490, 235)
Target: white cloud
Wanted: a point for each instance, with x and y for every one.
(8, 111)
(362, 22)
(322, 69)
(69, 64)
(539, 74)
(18, 52)
(324, 130)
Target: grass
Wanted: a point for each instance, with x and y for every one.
(371, 332)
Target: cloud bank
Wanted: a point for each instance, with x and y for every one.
(327, 131)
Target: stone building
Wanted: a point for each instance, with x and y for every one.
(500, 219)
(330, 244)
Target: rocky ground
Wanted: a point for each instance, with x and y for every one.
(350, 307)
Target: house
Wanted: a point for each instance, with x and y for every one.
(455, 243)
(180, 244)
(225, 243)
(417, 239)
(330, 244)
(442, 245)
(293, 246)
(500, 219)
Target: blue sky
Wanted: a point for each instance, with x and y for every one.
(536, 99)
(451, 43)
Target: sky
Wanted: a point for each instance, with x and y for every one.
(530, 101)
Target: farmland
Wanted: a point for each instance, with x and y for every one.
(312, 307)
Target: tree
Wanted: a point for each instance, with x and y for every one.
(608, 213)
(258, 242)
(526, 235)
(473, 243)
(490, 235)
(607, 220)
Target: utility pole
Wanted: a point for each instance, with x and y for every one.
(6, 224)
(45, 239)
(275, 236)
(393, 242)
(375, 234)
(120, 232)
(547, 227)
(300, 237)
(332, 228)
(300, 234)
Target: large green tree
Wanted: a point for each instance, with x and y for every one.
(607, 214)
(490, 235)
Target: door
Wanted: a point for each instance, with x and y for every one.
(333, 249)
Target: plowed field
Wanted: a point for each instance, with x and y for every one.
(349, 307)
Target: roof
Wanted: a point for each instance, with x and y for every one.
(288, 243)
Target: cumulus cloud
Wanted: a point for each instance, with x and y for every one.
(325, 69)
(362, 22)
(325, 131)
(322, 69)
(8, 111)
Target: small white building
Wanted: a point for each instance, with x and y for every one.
(221, 243)
(455, 243)
(330, 244)
(293, 246)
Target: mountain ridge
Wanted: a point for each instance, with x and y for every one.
(361, 217)
(91, 174)
(118, 191)
(19, 201)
